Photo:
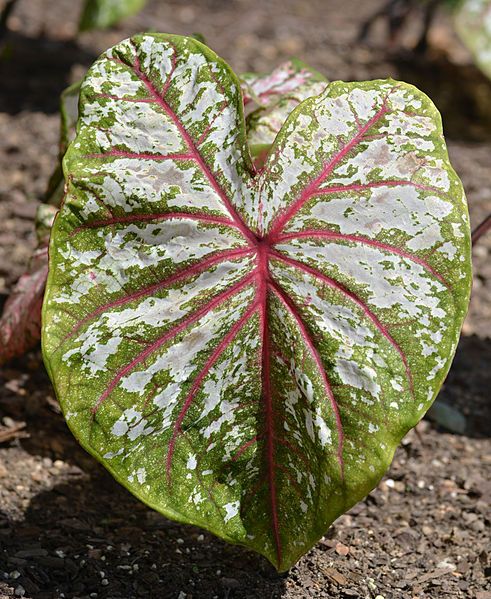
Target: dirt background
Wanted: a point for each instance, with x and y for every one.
(66, 528)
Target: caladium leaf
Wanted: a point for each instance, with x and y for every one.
(473, 24)
(20, 323)
(244, 351)
(277, 95)
(99, 14)
(266, 90)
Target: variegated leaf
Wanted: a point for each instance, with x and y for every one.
(473, 24)
(244, 351)
(267, 90)
(277, 95)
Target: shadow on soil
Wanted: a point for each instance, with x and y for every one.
(90, 530)
(468, 384)
(35, 70)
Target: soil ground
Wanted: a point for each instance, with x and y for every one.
(66, 528)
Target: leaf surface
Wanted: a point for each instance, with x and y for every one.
(21, 320)
(266, 90)
(245, 350)
(276, 95)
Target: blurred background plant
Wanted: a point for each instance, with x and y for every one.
(96, 14)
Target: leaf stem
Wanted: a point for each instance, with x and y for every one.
(481, 229)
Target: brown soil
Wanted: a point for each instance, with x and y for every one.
(66, 528)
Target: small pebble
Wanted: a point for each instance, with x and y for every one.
(342, 549)
(104, 582)
(14, 574)
(20, 591)
(446, 564)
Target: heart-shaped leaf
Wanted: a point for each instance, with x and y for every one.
(244, 350)
(473, 24)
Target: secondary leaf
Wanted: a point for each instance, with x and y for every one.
(473, 24)
(99, 14)
(266, 90)
(244, 351)
(276, 94)
(20, 323)
(68, 121)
